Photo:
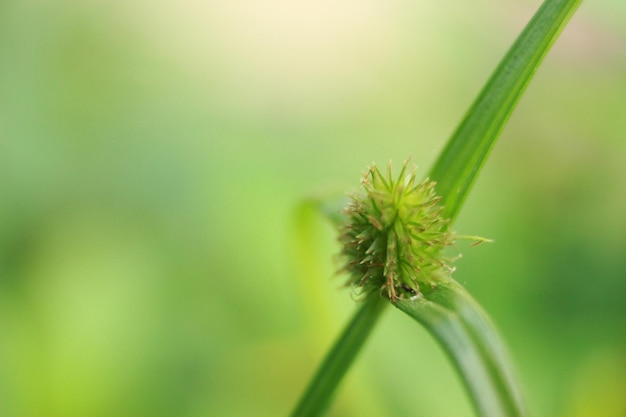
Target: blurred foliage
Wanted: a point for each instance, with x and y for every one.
(153, 154)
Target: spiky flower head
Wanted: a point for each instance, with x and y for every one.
(394, 235)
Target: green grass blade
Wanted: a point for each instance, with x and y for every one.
(473, 345)
(317, 396)
(468, 148)
(330, 206)
(455, 297)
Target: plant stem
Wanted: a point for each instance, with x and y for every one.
(317, 396)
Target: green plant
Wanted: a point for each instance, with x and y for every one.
(394, 233)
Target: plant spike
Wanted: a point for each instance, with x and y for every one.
(394, 235)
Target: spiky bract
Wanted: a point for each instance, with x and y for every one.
(394, 235)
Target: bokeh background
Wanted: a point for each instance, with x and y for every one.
(154, 157)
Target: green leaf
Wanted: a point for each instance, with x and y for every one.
(465, 332)
(317, 396)
(461, 160)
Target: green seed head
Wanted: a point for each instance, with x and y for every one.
(394, 235)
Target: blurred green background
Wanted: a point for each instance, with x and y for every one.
(153, 156)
